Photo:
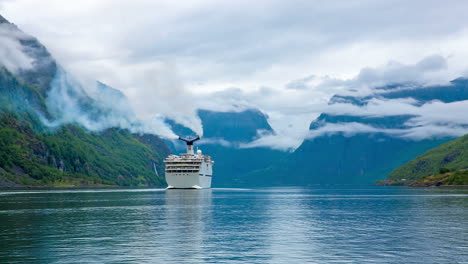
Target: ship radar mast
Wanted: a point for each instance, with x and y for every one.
(189, 143)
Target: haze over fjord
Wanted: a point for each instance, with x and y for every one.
(287, 59)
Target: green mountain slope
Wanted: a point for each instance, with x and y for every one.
(34, 154)
(443, 179)
(452, 155)
(73, 156)
(361, 157)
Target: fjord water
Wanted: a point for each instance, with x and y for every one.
(278, 225)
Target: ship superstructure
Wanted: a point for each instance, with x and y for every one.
(189, 170)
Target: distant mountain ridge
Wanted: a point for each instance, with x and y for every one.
(66, 154)
(241, 126)
(223, 136)
(45, 140)
(360, 157)
(43, 65)
(232, 128)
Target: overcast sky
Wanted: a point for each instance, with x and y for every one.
(285, 57)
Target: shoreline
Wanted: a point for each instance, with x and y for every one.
(11, 188)
(439, 186)
(35, 187)
(421, 185)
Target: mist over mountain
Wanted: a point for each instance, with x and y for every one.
(374, 122)
(357, 144)
(225, 136)
(92, 104)
(54, 132)
(207, 131)
(63, 108)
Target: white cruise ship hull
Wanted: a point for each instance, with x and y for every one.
(190, 172)
(188, 181)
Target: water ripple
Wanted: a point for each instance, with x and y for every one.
(278, 225)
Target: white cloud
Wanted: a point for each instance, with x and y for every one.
(376, 107)
(442, 114)
(169, 57)
(290, 110)
(69, 102)
(244, 44)
(12, 55)
(413, 133)
(395, 72)
(160, 90)
(279, 142)
(428, 113)
(432, 119)
(217, 141)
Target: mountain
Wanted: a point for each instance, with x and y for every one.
(224, 134)
(74, 156)
(360, 157)
(43, 65)
(451, 156)
(234, 127)
(45, 118)
(450, 178)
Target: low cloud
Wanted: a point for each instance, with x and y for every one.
(429, 70)
(289, 111)
(12, 54)
(285, 58)
(218, 141)
(433, 112)
(442, 114)
(161, 91)
(69, 102)
(413, 133)
(152, 88)
(91, 104)
(429, 120)
(375, 107)
(292, 109)
(347, 129)
(395, 72)
(278, 142)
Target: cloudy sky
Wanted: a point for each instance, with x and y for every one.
(285, 57)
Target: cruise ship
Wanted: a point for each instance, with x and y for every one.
(189, 170)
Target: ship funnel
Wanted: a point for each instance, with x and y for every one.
(189, 143)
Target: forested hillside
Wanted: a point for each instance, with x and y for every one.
(449, 157)
(35, 154)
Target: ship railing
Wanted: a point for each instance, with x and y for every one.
(181, 163)
(182, 159)
(184, 168)
(182, 171)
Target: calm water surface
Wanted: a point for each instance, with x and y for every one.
(280, 225)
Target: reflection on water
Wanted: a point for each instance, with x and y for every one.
(280, 225)
(186, 212)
